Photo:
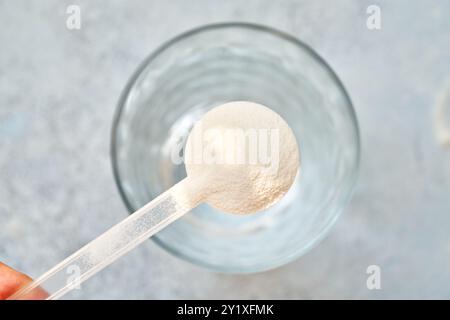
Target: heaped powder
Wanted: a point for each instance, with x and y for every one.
(243, 156)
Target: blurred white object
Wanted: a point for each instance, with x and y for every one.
(442, 116)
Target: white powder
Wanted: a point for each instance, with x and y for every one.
(240, 175)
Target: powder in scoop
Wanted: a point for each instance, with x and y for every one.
(243, 156)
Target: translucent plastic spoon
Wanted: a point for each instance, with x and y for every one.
(230, 187)
(112, 244)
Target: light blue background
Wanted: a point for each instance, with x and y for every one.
(59, 88)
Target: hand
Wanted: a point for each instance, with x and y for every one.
(11, 281)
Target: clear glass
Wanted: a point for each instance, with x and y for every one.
(212, 65)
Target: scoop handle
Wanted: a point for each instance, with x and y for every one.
(112, 244)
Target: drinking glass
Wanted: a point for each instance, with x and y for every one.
(212, 65)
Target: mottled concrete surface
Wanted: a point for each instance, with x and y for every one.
(59, 88)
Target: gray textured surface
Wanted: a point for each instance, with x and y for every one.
(58, 90)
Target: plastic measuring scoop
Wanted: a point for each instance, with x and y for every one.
(228, 187)
(112, 244)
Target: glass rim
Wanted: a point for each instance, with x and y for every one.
(211, 27)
